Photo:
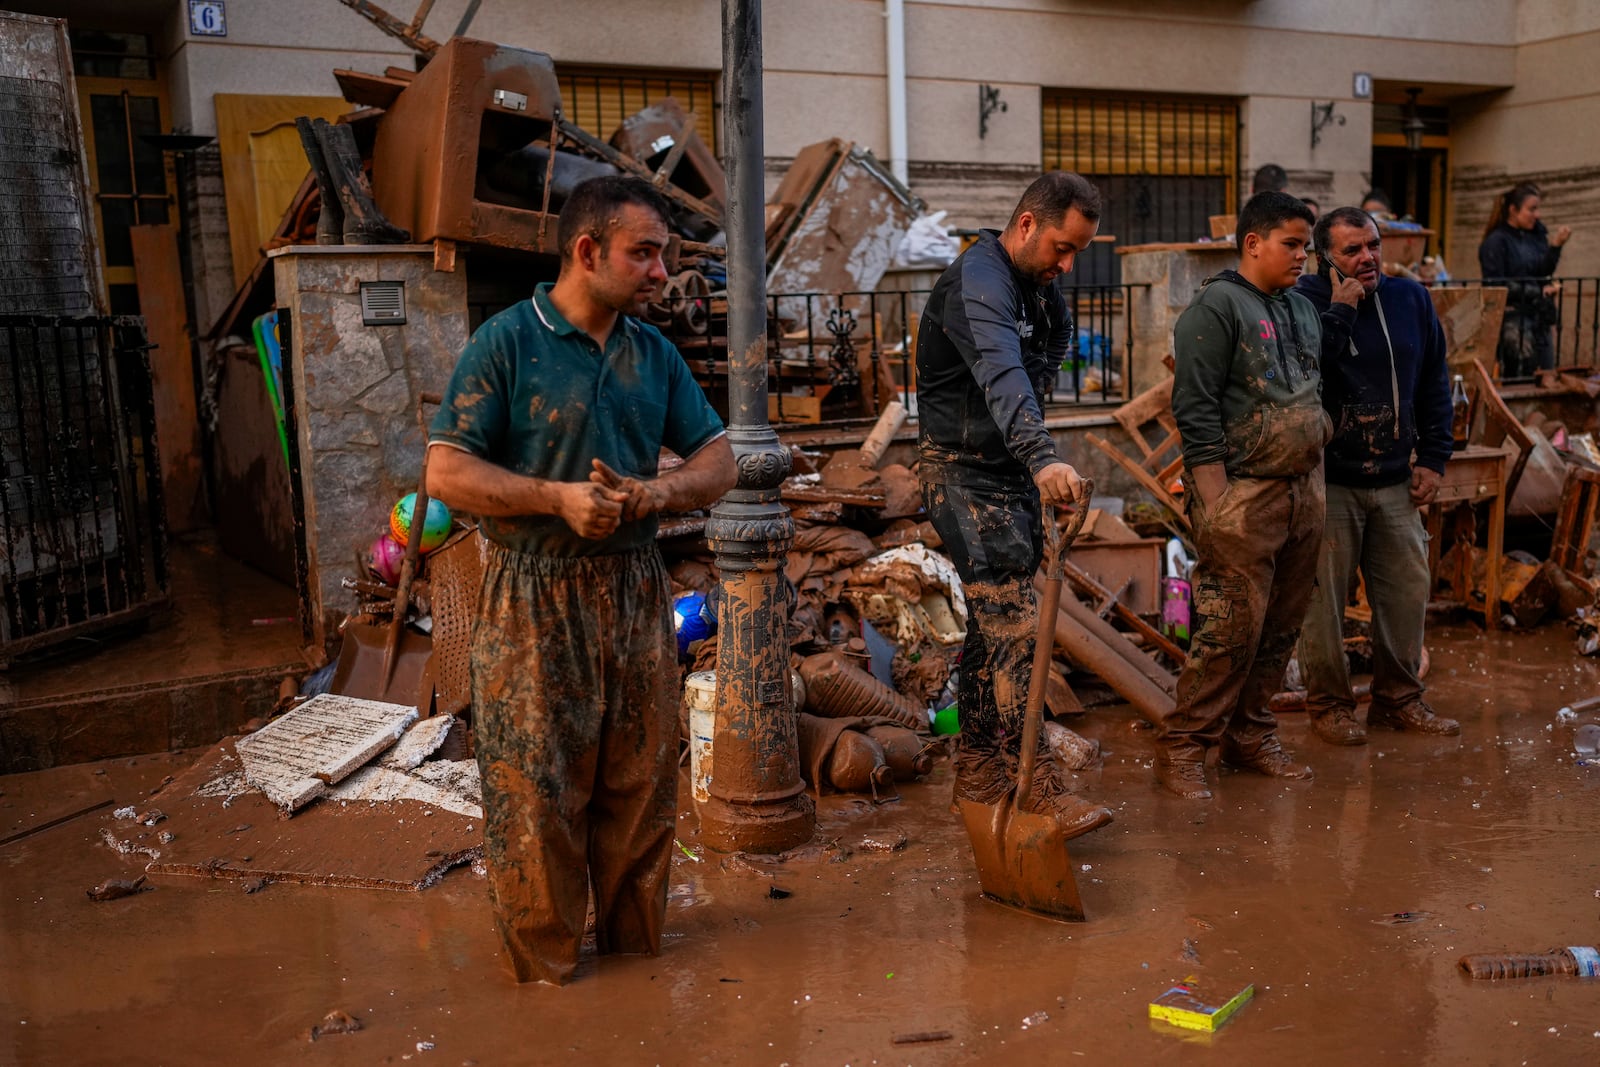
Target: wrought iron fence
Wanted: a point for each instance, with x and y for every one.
(1564, 327)
(835, 358)
(82, 532)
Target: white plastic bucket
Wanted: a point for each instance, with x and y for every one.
(700, 695)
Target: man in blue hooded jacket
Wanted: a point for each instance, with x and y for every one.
(1385, 384)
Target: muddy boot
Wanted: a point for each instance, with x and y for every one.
(1416, 717)
(1183, 777)
(1267, 757)
(1050, 796)
(364, 223)
(1339, 727)
(330, 216)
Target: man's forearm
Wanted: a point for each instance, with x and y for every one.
(1210, 480)
(472, 484)
(703, 479)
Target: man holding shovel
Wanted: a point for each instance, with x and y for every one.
(550, 432)
(993, 335)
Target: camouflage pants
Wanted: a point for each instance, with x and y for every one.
(995, 539)
(576, 726)
(1258, 549)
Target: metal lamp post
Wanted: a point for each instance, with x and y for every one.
(757, 799)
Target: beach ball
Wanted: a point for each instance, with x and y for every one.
(692, 620)
(386, 556)
(435, 528)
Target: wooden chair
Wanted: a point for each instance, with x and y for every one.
(1159, 463)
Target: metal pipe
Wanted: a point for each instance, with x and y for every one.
(895, 15)
(757, 800)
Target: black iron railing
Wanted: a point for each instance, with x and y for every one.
(82, 532)
(838, 357)
(1564, 326)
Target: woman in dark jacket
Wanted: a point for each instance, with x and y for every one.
(1519, 253)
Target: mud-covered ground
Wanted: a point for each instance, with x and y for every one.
(1346, 901)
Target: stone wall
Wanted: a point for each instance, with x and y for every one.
(355, 393)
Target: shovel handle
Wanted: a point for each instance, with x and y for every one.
(419, 517)
(1060, 540)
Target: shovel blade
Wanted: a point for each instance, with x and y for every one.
(359, 671)
(1022, 859)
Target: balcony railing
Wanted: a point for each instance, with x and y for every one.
(837, 358)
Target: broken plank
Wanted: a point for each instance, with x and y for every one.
(818, 494)
(1089, 587)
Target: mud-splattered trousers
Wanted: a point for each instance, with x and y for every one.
(995, 538)
(1380, 531)
(1258, 547)
(576, 730)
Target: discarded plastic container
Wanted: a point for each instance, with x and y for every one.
(700, 694)
(1175, 609)
(947, 721)
(904, 751)
(858, 765)
(1580, 960)
(1586, 740)
(836, 689)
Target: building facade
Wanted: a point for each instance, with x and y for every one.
(1170, 105)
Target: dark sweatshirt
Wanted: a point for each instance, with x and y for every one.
(988, 348)
(1246, 387)
(1509, 253)
(1371, 447)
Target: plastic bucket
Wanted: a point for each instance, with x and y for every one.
(700, 695)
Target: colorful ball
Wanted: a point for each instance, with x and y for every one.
(435, 528)
(693, 620)
(386, 556)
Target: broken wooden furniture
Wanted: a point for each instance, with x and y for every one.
(1470, 316)
(1499, 424)
(1580, 501)
(465, 147)
(1476, 475)
(1159, 463)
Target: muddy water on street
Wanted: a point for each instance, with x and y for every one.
(1347, 901)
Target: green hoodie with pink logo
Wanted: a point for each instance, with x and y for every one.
(1247, 388)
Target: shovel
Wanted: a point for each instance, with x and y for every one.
(389, 662)
(1021, 858)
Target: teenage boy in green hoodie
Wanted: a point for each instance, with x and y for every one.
(1247, 400)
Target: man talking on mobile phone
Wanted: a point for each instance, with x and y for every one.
(1386, 387)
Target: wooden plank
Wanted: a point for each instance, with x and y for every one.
(161, 302)
(369, 90)
(1089, 587)
(819, 494)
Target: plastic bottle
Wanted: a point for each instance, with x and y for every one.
(947, 721)
(1581, 960)
(1460, 412)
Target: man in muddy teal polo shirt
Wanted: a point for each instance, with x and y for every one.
(550, 433)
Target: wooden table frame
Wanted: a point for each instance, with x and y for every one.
(1474, 476)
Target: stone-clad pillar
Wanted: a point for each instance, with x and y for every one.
(354, 389)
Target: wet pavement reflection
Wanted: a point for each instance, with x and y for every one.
(1346, 901)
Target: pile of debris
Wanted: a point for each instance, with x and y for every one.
(336, 791)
